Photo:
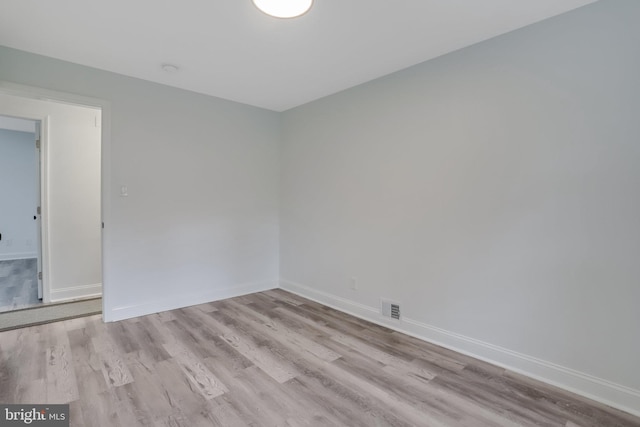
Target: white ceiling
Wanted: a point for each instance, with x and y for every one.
(227, 48)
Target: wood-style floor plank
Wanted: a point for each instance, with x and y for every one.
(271, 359)
(278, 332)
(115, 371)
(203, 380)
(246, 344)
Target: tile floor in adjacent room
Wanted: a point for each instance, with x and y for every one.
(18, 284)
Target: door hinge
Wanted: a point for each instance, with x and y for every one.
(39, 210)
(38, 144)
(40, 275)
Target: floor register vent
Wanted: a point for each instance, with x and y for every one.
(391, 309)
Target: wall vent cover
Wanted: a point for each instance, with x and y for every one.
(390, 309)
(395, 311)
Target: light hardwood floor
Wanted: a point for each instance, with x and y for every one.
(270, 359)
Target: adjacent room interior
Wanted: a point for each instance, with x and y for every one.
(19, 192)
(50, 199)
(409, 219)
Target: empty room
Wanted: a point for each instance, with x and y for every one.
(321, 213)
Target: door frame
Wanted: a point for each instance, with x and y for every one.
(32, 92)
(38, 216)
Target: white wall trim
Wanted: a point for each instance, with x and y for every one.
(598, 389)
(45, 248)
(18, 255)
(75, 292)
(165, 304)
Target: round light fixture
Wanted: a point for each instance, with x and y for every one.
(284, 8)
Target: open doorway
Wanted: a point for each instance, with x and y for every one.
(65, 237)
(20, 258)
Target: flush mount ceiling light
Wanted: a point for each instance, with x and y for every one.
(283, 8)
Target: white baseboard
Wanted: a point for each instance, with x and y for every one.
(598, 389)
(18, 255)
(179, 301)
(76, 292)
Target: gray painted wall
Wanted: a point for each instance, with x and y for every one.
(201, 218)
(18, 195)
(494, 192)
